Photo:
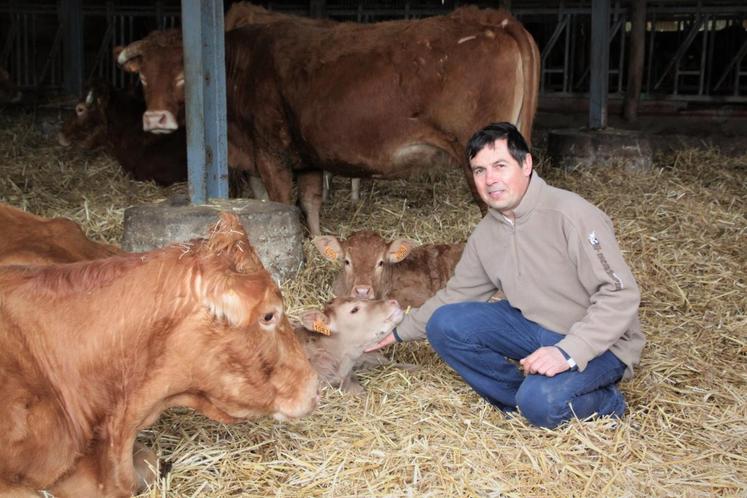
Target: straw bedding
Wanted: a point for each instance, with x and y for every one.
(424, 433)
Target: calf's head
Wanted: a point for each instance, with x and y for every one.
(87, 128)
(359, 323)
(158, 60)
(246, 360)
(367, 261)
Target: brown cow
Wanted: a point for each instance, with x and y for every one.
(335, 338)
(28, 239)
(398, 269)
(113, 119)
(360, 100)
(92, 352)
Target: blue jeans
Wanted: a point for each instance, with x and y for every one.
(476, 339)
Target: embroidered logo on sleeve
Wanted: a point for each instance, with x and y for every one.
(594, 241)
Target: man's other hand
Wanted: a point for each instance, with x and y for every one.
(547, 360)
(382, 343)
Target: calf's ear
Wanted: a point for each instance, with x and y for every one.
(399, 249)
(329, 247)
(316, 321)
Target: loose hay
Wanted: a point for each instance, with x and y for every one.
(425, 433)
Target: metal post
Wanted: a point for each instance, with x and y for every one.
(71, 15)
(205, 94)
(600, 57)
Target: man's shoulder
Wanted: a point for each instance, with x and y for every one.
(569, 204)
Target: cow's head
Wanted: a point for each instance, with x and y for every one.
(367, 260)
(249, 362)
(158, 60)
(87, 128)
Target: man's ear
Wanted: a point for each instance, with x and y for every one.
(399, 249)
(329, 247)
(316, 321)
(527, 166)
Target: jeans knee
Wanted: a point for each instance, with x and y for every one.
(539, 406)
(440, 326)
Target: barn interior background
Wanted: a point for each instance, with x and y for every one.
(682, 225)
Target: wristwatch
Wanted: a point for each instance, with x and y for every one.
(571, 362)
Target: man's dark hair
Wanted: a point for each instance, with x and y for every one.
(517, 146)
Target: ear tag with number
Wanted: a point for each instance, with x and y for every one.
(321, 327)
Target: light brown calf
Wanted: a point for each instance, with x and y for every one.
(92, 352)
(336, 337)
(398, 269)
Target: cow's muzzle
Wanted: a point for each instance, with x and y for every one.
(159, 122)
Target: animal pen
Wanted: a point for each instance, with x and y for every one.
(682, 226)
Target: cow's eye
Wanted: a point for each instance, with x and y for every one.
(354, 310)
(268, 317)
(347, 262)
(380, 263)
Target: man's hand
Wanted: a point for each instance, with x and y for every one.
(384, 342)
(547, 360)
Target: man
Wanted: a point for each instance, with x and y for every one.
(570, 316)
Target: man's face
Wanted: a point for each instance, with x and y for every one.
(500, 180)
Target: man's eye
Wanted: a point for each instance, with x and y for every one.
(354, 310)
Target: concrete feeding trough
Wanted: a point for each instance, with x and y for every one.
(274, 229)
(579, 147)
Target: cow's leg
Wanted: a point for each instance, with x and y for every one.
(276, 176)
(258, 188)
(310, 199)
(326, 185)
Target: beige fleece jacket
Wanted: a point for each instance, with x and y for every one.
(559, 263)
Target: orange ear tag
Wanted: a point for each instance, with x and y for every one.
(401, 253)
(321, 327)
(330, 253)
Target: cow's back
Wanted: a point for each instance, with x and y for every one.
(31, 239)
(423, 273)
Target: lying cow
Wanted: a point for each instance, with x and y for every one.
(336, 337)
(375, 100)
(32, 240)
(398, 269)
(112, 118)
(92, 352)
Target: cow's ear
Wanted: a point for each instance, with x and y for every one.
(228, 236)
(329, 247)
(316, 321)
(129, 64)
(399, 249)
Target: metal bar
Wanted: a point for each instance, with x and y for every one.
(703, 54)
(600, 52)
(71, 16)
(205, 92)
(735, 61)
(681, 51)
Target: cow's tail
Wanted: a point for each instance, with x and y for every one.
(530, 58)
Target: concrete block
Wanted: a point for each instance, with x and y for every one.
(274, 229)
(571, 148)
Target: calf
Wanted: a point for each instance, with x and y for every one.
(398, 269)
(92, 352)
(28, 239)
(336, 337)
(113, 119)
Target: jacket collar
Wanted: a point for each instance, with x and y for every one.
(528, 202)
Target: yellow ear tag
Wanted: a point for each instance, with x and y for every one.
(321, 327)
(330, 253)
(407, 311)
(401, 253)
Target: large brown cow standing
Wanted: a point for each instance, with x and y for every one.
(360, 100)
(91, 352)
